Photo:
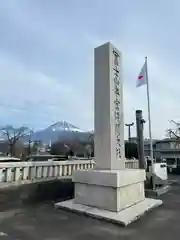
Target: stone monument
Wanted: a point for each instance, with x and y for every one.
(108, 113)
(109, 191)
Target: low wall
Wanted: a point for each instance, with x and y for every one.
(14, 197)
(37, 171)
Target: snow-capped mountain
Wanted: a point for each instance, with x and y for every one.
(58, 131)
(64, 126)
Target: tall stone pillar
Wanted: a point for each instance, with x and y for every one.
(108, 115)
(109, 191)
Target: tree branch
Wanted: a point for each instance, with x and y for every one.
(14, 134)
(172, 132)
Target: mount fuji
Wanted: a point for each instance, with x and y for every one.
(64, 126)
(61, 130)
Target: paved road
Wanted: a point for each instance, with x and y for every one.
(45, 222)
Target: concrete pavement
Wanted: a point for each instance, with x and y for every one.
(44, 222)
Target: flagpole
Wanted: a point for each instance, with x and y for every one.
(149, 121)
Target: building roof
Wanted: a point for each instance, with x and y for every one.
(168, 140)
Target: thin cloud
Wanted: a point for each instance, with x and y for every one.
(46, 59)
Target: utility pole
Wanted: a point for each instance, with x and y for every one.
(140, 139)
(129, 130)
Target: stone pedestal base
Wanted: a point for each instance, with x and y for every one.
(115, 195)
(109, 190)
(123, 217)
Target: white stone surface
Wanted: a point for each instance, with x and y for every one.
(109, 198)
(123, 217)
(112, 190)
(105, 122)
(111, 178)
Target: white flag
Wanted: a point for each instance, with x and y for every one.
(141, 79)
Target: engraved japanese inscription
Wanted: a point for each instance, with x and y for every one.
(117, 100)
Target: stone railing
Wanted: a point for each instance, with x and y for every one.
(28, 172)
(129, 163)
(134, 164)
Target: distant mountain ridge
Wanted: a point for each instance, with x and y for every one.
(61, 130)
(64, 126)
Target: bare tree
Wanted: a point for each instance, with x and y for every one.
(174, 133)
(13, 135)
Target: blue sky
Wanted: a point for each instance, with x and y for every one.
(46, 59)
